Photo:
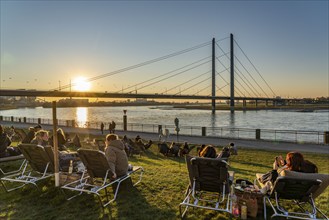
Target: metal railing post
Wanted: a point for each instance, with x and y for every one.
(257, 134)
(326, 137)
(204, 131)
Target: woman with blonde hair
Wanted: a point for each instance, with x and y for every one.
(41, 138)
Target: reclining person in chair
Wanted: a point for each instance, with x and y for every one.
(116, 155)
(5, 149)
(208, 151)
(294, 162)
(42, 138)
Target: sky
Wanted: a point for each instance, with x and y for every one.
(47, 44)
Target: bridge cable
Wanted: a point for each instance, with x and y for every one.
(251, 75)
(228, 82)
(238, 70)
(221, 89)
(163, 74)
(242, 86)
(142, 64)
(254, 67)
(180, 92)
(171, 76)
(201, 90)
(187, 81)
(257, 95)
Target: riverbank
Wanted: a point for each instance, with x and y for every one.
(197, 140)
(306, 108)
(192, 106)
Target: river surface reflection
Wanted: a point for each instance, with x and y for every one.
(165, 115)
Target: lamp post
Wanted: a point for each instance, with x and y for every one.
(125, 120)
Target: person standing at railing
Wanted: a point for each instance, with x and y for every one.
(102, 127)
(113, 127)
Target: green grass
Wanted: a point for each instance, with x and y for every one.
(156, 197)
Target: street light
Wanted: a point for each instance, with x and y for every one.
(125, 120)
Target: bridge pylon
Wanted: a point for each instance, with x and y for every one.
(232, 74)
(213, 89)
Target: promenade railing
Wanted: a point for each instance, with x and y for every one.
(295, 136)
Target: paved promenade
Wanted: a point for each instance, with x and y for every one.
(255, 144)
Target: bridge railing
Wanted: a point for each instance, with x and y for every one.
(295, 136)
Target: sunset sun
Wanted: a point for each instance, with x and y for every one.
(81, 84)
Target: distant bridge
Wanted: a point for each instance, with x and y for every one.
(241, 81)
(38, 93)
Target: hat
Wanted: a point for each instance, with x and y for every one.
(37, 126)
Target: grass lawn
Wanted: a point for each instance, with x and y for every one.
(156, 197)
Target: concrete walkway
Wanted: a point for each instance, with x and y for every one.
(255, 144)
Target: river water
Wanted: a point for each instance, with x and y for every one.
(165, 115)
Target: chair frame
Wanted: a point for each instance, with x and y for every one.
(94, 184)
(42, 169)
(195, 194)
(280, 211)
(12, 158)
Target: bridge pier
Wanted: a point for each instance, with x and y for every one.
(256, 103)
(244, 104)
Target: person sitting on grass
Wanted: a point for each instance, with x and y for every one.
(209, 151)
(174, 149)
(140, 144)
(116, 155)
(225, 154)
(185, 150)
(128, 145)
(5, 149)
(233, 149)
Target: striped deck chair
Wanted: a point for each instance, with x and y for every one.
(98, 177)
(40, 167)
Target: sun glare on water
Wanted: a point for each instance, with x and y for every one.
(81, 84)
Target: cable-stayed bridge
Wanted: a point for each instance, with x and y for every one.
(220, 76)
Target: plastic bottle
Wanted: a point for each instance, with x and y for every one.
(244, 211)
(235, 206)
(71, 167)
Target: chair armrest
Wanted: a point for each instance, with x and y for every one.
(231, 176)
(258, 176)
